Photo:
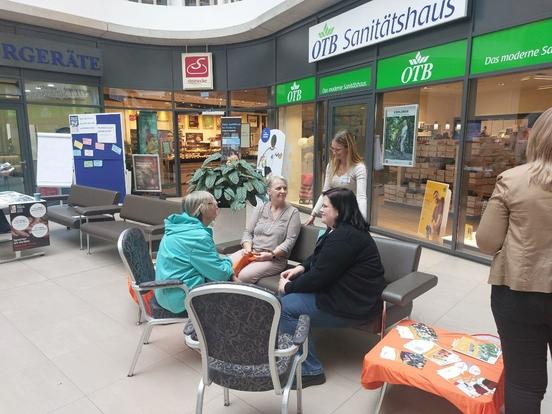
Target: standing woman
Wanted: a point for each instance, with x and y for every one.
(516, 229)
(345, 170)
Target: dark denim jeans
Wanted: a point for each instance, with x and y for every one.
(524, 322)
(297, 304)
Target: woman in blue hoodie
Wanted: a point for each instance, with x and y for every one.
(187, 251)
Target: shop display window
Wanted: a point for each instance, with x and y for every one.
(200, 100)
(9, 89)
(298, 167)
(61, 93)
(250, 98)
(501, 112)
(134, 98)
(410, 196)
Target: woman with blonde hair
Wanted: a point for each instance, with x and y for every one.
(187, 251)
(345, 170)
(516, 229)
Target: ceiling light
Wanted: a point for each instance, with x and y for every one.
(38, 88)
(27, 90)
(542, 87)
(500, 83)
(435, 126)
(51, 85)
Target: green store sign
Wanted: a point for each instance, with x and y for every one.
(296, 92)
(530, 44)
(345, 82)
(422, 66)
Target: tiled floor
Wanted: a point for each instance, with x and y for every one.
(67, 335)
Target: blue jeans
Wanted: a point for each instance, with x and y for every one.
(297, 304)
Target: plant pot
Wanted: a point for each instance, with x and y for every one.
(229, 225)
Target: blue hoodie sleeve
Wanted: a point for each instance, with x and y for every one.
(206, 260)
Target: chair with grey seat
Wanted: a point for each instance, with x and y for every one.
(235, 326)
(134, 251)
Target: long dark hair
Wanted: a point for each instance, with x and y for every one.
(345, 202)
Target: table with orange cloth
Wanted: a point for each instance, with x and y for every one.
(377, 370)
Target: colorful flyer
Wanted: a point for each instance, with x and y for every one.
(435, 208)
(483, 351)
(115, 149)
(77, 153)
(98, 163)
(88, 164)
(100, 146)
(87, 141)
(88, 153)
(77, 144)
(442, 356)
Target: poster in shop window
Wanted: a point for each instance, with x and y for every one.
(435, 209)
(399, 135)
(148, 139)
(29, 225)
(147, 173)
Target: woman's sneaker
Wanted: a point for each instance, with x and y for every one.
(308, 380)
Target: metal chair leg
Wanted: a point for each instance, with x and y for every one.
(80, 237)
(381, 397)
(88, 242)
(226, 397)
(138, 350)
(199, 400)
(148, 328)
(299, 386)
(139, 321)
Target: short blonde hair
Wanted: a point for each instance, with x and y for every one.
(195, 203)
(347, 141)
(539, 151)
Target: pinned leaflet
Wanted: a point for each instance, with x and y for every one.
(106, 133)
(88, 164)
(115, 149)
(100, 146)
(87, 141)
(88, 153)
(76, 153)
(77, 144)
(98, 163)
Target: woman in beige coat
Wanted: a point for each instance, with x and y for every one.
(516, 229)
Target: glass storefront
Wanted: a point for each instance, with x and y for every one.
(297, 121)
(148, 128)
(501, 112)
(398, 191)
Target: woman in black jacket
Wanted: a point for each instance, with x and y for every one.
(340, 284)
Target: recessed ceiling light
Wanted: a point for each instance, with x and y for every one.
(500, 83)
(38, 88)
(51, 85)
(27, 90)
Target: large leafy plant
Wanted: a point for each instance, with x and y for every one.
(231, 183)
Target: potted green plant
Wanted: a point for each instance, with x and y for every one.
(231, 183)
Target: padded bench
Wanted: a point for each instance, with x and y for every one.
(81, 196)
(145, 213)
(400, 260)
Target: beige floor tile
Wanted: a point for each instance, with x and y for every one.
(104, 362)
(237, 406)
(95, 278)
(38, 388)
(68, 335)
(16, 274)
(362, 401)
(400, 399)
(169, 338)
(168, 387)
(82, 406)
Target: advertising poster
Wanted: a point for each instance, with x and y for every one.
(147, 173)
(399, 135)
(148, 140)
(29, 225)
(435, 208)
(231, 137)
(271, 152)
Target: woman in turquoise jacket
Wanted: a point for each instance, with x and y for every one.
(187, 251)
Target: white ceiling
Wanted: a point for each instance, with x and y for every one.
(164, 25)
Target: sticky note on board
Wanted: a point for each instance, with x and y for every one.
(100, 146)
(77, 153)
(88, 164)
(88, 153)
(98, 163)
(77, 144)
(115, 149)
(87, 141)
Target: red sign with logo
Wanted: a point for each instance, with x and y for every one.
(197, 71)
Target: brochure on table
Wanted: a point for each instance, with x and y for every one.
(98, 150)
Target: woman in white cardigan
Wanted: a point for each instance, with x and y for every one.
(345, 170)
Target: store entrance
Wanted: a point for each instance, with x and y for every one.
(350, 114)
(14, 150)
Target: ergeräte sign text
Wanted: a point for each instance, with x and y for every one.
(378, 21)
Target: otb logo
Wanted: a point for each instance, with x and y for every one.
(196, 66)
(419, 69)
(327, 43)
(294, 94)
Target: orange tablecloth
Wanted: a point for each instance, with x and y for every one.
(377, 370)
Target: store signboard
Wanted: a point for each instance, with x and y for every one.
(422, 66)
(197, 71)
(298, 91)
(378, 21)
(530, 44)
(345, 82)
(43, 54)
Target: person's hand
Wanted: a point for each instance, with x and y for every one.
(293, 273)
(263, 256)
(246, 249)
(309, 221)
(282, 284)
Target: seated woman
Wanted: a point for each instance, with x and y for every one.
(187, 251)
(340, 284)
(270, 234)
